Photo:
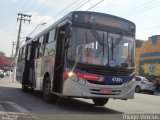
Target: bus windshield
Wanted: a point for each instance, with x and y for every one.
(103, 48)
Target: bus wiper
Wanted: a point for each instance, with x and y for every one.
(118, 40)
(97, 36)
(113, 44)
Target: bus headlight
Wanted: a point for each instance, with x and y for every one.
(70, 74)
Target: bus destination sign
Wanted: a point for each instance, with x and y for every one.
(104, 20)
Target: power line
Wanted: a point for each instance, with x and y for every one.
(34, 4)
(82, 4)
(39, 8)
(94, 5)
(45, 2)
(138, 8)
(134, 8)
(63, 10)
(143, 10)
(25, 4)
(57, 2)
(57, 16)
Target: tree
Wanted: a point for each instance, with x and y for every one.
(2, 53)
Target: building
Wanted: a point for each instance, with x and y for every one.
(5, 63)
(149, 58)
(138, 45)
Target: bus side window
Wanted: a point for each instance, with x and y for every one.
(37, 49)
(41, 46)
(20, 55)
(41, 40)
(29, 52)
(50, 48)
(55, 35)
(23, 53)
(46, 37)
(51, 36)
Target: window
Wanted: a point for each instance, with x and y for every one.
(29, 52)
(51, 35)
(138, 79)
(20, 55)
(41, 46)
(37, 49)
(41, 40)
(46, 36)
(23, 53)
(50, 48)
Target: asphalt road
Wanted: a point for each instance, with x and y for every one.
(31, 106)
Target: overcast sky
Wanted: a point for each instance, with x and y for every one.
(144, 13)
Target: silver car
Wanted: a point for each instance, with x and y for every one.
(1, 74)
(144, 84)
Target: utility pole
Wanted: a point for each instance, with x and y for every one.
(21, 17)
(13, 44)
(11, 59)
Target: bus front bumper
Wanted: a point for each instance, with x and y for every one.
(81, 88)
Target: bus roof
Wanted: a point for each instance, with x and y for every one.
(70, 16)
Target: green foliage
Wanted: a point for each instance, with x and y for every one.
(2, 53)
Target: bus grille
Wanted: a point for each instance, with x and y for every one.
(103, 83)
(110, 71)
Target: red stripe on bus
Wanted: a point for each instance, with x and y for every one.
(91, 77)
(65, 75)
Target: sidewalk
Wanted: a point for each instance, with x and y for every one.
(8, 82)
(157, 93)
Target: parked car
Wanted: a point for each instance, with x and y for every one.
(1, 70)
(144, 84)
(1, 74)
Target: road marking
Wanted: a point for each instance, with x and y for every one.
(17, 107)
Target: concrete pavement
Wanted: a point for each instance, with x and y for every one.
(32, 107)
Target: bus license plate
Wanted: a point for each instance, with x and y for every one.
(106, 91)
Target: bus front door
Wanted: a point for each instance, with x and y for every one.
(59, 60)
(29, 70)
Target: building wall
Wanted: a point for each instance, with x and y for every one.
(5, 62)
(138, 52)
(149, 58)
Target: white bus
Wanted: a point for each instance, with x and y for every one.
(84, 55)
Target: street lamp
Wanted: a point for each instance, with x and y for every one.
(43, 23)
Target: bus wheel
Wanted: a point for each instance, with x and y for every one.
(25, 88)
(47, 95)
(31, 90)
(100, 101)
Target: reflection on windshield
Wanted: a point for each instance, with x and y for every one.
(116, 50)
